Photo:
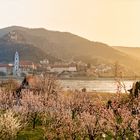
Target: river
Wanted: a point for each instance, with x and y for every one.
(109, 86)
(99, 85)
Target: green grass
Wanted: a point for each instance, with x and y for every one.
(31, 134)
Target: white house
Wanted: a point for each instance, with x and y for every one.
(26, 66)
(61, 68)
(6, 69)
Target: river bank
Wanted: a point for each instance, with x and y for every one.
(76, 78)
(107, 85)
(99, 78)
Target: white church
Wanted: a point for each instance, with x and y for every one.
(20, 66)
(17, 68)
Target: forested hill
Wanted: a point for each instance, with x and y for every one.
(39, 43)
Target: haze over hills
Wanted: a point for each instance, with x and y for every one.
(133, 51)
(36, 44)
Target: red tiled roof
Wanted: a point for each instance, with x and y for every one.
(62, 66)
(6, 65)
(26, 63)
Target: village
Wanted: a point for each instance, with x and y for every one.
(64, 70)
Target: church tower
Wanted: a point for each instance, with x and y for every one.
(16, 71)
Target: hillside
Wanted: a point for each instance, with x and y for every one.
(133, 51)
(75, 47)
(27, 51)
(65, 46)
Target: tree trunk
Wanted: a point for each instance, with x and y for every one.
(34, 120)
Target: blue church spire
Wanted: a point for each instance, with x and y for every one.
(16, 70)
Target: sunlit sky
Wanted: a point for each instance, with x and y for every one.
(116, 22)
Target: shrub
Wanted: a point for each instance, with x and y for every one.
(9, 125)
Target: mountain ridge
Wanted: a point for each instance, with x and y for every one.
(67, 46)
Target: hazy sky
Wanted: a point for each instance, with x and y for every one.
(116, 22)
